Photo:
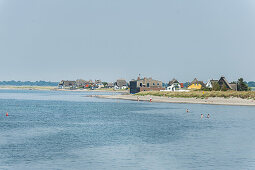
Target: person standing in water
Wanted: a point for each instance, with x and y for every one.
(208, 116)
(187, 110)
(202, 116)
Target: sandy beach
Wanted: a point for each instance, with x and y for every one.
(213, 100)
(28, 88)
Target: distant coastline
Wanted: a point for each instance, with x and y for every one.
(55, 88)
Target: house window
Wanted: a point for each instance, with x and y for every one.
(148, 84)
(153, 84)
(158, 84)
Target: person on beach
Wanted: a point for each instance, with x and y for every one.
(138, 98)
(150, 99)
(202, 116)
(208, 116)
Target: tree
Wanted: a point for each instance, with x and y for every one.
(215, 86)
(105, 83)
(241, 85)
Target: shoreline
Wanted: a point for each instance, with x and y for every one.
(27, 88)
(122, 94)
(54, 88)
(212, 101)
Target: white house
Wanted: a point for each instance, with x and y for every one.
(173, 85)
(210, 83)
(120, 84)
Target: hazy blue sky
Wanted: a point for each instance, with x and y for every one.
(99, 39)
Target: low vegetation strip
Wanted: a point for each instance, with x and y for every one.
(202, 94)
(30, 87)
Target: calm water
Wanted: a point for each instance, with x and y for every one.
(67, 130)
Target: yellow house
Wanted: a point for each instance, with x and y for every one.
(196, 85)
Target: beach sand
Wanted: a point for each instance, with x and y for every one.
(213, 100)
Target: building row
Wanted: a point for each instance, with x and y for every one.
(97, 84)
(149, 84)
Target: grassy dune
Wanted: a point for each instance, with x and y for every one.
(201, 94)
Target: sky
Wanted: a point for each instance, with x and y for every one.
(96, 39)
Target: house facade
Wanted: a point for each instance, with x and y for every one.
(145, 84)
(80, 83)
(222, 82)
(196, 85)
(173, 85)
(98, 84)
(230, 86)
(110, 85)
(210, 83)
(120, 84)
(67, 84)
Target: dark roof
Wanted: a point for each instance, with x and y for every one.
(110, 84)
(121, 83)
(172, 82)
(67, 83)
(224, 80)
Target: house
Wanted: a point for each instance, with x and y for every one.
(196, 85)
(182, 85)
(67, 84)
(98, 84)
(233, 86)
(145, 84)
(222, 82)
(80, 83)
(210, 83)
(110, 85)
(120, 84)
(89, 84)
(173, 85)
(230, 86)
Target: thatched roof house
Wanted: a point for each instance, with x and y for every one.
(173, 81)
(121, 83)
(67, 83)
(195, 84)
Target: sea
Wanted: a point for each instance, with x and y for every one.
(72, 130)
